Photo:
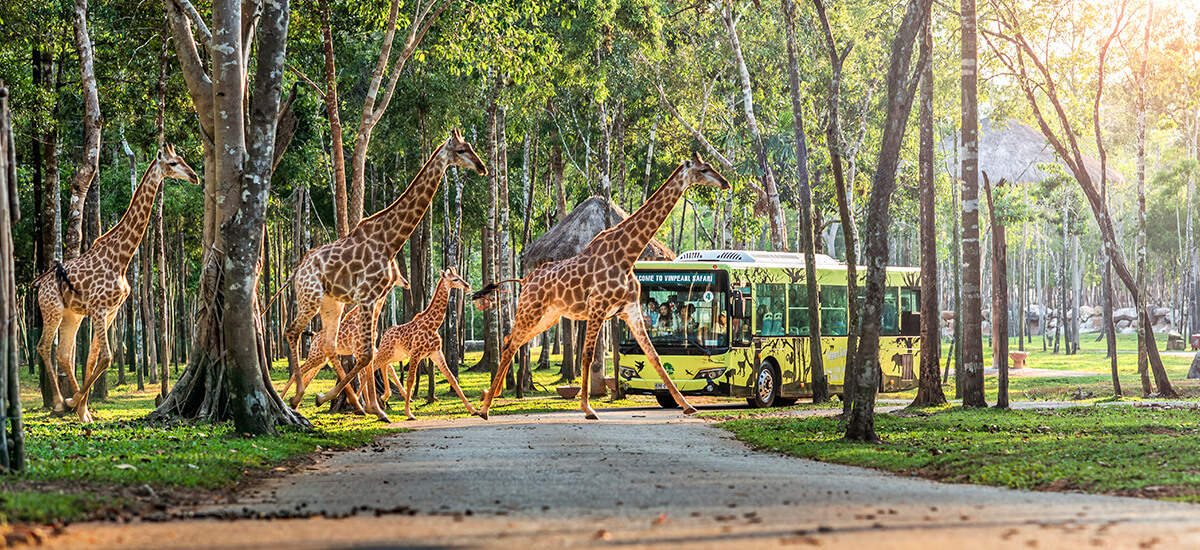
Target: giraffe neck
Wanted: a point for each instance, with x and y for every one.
(436, 311)
(123, 239)
(634, 233)
(393, 225)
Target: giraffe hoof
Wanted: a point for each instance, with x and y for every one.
(482, 414)
(320, 399)
(689, 410)
(410, 418)
(58, 412)
(69, 402)
(591, 416)
(384, 418)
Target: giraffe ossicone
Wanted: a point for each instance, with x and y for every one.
(357, 269)
(597, 284)
(94, 285)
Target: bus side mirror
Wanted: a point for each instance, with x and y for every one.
(738, 306)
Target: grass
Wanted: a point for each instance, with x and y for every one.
(1120, 449)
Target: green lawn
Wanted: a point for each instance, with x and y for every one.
(1127, 450)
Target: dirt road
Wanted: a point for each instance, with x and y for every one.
(637, 478)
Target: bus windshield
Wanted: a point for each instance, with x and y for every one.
(682, 310)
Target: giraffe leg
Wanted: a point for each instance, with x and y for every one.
(588, 357)
(65, 355)
(51, 319)
(529, 323)
(100, 356)
(632, 315)
(312, 365)
(412, 377)
(306, 308)
(362, 363)
(440, 361)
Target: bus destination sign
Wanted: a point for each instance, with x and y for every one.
(677, 277)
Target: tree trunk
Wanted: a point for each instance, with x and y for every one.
(90, 163)
(999, 295)
(12, 436)
(845, 200)
(52, 250)
(820, 385)
(1140, 247)
(92, 230)
(772, 207)
(860, 425)
(929, 388)
(228, 375)
(972, 345)
(491, 322)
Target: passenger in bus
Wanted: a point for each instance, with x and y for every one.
(722, 323)
(687, 322)
(650, 313)
(665, 322)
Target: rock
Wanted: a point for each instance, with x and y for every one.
(1161, 313)
(1126, 330)
(1194, 372)
(946, 315)
(1125, 314)
(1093, 324)
(1123, 324)
(1175, 342)
(1086, 312)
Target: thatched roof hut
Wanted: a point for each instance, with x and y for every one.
(571, 235)
(1011, 150)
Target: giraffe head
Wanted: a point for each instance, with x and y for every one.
(173, 165)
(696, 171)
(460, 153)
(453, 279)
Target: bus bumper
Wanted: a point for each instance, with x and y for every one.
(701, 386)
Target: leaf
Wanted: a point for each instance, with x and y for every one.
(126, 467)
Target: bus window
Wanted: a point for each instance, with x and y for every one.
(891, 313)
(910, 312)
(833, 311)
(682, 310)
(797, 318)
(768, 309)
(740, 328)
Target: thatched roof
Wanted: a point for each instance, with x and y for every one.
(571, 235)
(1011, 150)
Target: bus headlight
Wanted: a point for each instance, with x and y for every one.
(711, 373)
(628, 373)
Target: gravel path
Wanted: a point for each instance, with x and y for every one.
(635, 478)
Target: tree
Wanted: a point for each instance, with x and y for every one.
(86, 171)
(901, 87)
(1036, 81)
(845, 199)
(999, 293)
(929, 389)
(228, 375)
(972, 303)
(820, 385)
(771, 206)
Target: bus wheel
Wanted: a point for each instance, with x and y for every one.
(666, 401)
(766, 385)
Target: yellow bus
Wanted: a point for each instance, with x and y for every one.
(734, 323)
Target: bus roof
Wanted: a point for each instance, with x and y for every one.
(752, 259)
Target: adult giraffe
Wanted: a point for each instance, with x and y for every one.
(94, 285)
(357, 269)
(414, 341)
(599, 283)
(321, 352)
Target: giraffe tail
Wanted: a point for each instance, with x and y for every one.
(60, 273)
(484, 298)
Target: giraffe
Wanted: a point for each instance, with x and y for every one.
(414, 341)
(355, 269)
(598, 283)
(94, 285)
(321, 352)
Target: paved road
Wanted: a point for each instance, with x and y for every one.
(638, 478)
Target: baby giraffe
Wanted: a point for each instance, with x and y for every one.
(413, 341)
